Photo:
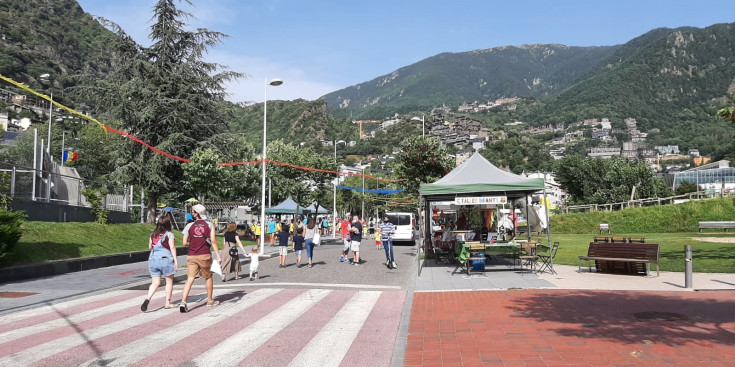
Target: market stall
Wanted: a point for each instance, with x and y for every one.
(485, 202)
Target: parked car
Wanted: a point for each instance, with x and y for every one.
(405, 227)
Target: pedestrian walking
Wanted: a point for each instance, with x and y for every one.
(356, 238)
(283, 237)
(345, 230)
(272, 231)
(230, 256)
(378, 240)
(162, 261)
(386, 235)
(200, 255)
(254, 262)
(310, 231)
(371, 227)
(298, 245)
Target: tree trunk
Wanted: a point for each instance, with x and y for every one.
(152, 206)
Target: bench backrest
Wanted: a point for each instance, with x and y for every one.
(645, 251)
(717, 224)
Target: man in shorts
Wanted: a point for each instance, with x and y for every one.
(356, 237)
(199, 258)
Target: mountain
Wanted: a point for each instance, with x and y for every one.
(455, 78)
(50, 36)
(657, 76)
(660, 74)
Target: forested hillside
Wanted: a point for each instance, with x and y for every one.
(50, 36)
(456, 78)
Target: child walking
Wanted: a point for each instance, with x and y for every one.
(283, 237)
(298, 245)
(254, 262)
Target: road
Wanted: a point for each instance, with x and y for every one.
(333, 314)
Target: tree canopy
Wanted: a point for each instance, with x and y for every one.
(604, 181)
(167, 96)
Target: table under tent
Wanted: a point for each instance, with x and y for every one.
(487, 195)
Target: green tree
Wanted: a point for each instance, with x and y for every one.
(298, 183)
(421, 160)
(10, 232)
(603, 181)
(728, 112)
(685, 188)
(167, 96)
(203, 174)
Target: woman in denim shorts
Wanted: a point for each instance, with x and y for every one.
(162, 261)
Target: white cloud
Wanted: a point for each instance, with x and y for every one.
(296, 82)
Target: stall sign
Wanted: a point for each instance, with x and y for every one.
(481, 200)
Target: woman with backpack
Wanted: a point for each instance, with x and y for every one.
(230, 257)
(162, 261)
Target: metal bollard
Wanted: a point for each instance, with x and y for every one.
(687, 266)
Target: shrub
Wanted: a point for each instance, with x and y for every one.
(10, 232)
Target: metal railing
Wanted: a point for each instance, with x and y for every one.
(699, 195)
(23, 183)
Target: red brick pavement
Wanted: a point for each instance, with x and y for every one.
(571, 328)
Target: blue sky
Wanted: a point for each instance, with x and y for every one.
(318, 47)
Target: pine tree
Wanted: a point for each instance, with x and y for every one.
(167, 96)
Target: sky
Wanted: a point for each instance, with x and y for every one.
(320, 46)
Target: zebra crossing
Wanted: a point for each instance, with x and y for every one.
(267, 326)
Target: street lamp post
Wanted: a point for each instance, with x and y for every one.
(423, 130)
(47, 78)
(334, 193)
(273, 82)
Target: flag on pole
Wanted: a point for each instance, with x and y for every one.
(70, 156)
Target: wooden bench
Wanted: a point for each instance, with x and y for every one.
(604, 227)
(717, 225)
(629, 258)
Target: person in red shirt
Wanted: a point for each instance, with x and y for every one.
(345, 228)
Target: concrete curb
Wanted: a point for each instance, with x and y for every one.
(69, 266)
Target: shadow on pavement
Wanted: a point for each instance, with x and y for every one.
(672, 318)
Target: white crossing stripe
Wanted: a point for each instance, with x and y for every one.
(140, 349)
(337, 336)
(48, 349)
(237, 347)
(58, 307)
(72, 320)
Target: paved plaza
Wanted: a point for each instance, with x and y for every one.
(336, 314)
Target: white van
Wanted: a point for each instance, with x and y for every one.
(404, 223)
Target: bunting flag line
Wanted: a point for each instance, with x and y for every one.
(371, 191)
(169, 155)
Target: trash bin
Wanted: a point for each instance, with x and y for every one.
(478, 264)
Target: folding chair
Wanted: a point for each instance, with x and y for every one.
(547, 261)
(528, 256)
(464, 255)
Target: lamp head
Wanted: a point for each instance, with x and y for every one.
(276, 82)
(417, 119)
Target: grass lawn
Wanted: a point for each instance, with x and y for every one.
(47, 241)
(708, 257)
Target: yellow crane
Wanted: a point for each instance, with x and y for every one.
(366, 122)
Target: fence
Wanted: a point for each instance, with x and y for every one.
(58, 185)
(699, 195)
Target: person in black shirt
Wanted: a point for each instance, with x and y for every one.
(356, 237)
(283, 237)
